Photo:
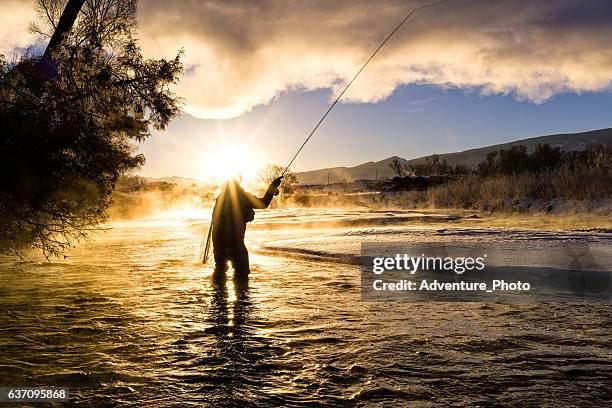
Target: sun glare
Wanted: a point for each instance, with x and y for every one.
(227, 161)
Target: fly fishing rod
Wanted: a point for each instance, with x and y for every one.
(312, 132)
(207, 247)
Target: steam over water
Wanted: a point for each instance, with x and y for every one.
(133, 318)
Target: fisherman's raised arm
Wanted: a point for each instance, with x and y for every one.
(272, 191)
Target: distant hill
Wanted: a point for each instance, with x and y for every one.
(470, 158)
(365, 171)
(172, 179)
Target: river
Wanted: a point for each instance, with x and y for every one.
(132, 318)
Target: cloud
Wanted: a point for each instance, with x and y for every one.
(14, 20)
(244, 53)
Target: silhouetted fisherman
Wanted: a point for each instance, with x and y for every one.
(234, 207)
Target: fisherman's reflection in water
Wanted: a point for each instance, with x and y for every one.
(233, 355)
(222, 325)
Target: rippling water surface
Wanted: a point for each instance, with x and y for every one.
(133, 318)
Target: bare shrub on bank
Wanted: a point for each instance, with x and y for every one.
(584, 183)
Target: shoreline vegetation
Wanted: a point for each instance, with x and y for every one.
(547, 181)
(71, 118)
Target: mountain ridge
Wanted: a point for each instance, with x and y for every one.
(471, 157)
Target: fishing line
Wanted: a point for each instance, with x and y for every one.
(312, 132)
(206, 247)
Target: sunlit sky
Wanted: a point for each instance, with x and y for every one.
(469, 73)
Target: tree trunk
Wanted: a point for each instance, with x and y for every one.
(66, 21)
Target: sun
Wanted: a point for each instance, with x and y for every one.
(225, 161)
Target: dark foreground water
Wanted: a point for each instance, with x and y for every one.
(133, 319)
